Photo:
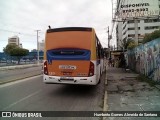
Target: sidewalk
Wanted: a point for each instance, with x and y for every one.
(126, 93)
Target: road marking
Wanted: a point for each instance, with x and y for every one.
(105, 104)
(19, 81)
(11, 105)
(105, 108)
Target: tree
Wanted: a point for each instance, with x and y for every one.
(14, 50)
(151, 36)
(128, 43)
(124, 44)
(9, 48)
(132, 44)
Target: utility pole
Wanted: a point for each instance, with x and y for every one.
(108, 42)
(37, 47)
(136, 30)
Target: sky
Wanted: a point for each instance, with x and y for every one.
(24, 17)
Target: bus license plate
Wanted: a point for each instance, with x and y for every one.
(72, 67)
(66, 78)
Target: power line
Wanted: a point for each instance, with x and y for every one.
(15, 26)
(17, 32)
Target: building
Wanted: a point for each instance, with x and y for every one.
(119, 35)
(141, 14)
(41, 46)
(15, 40)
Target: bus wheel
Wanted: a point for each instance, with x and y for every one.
(99, 80)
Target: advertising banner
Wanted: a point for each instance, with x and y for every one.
(138, 8)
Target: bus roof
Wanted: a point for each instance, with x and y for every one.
(69, 29)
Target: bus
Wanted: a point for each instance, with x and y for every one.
(72, 55)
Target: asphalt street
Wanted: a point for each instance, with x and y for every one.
(32, 94)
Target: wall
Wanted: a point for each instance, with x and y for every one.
(145, 59)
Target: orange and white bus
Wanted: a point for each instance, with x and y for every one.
(72, 55)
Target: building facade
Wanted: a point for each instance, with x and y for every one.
(15, 40)
(147, 14)
(41, 46)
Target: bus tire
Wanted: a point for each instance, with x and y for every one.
(99, 81)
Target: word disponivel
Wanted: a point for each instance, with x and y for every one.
(135, 5)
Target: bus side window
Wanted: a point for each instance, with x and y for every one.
(98, 52)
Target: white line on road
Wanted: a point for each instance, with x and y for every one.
(19, 81)
(11, 105)
(105, 104)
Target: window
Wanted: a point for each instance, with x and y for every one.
(98, 48)
(131, 35)
(151, 20)
(151, 27)
(133, 28)
(132, 21)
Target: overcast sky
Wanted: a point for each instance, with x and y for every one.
(23, 17)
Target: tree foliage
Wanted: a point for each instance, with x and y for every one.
(124, 44)
(151, 36)
(128, 44)
(9, 48)
(14, 50)
(132, 44)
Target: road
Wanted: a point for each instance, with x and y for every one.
(32, 94)
(10, 75)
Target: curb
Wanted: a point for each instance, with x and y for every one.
(1, 83)
(105, 105)
(105, 108)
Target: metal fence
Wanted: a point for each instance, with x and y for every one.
(31, 58)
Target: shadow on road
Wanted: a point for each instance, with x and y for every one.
(75, 90)
(80, 90)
